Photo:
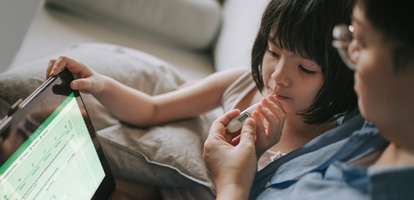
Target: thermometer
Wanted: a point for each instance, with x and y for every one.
(236, 123)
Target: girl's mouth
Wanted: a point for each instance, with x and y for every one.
(280, 98)
(276, 95)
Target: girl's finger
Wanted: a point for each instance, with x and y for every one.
(274, 100)
(74, 66)
(269, 116)
(275, 107)
(49, 67)
(274, 126)
(59, 65)
(260, 129)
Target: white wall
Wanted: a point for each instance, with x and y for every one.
(15, 19)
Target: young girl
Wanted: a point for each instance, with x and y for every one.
(380, 49)
(308, 87)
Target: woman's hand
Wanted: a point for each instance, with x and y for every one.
(86, 80)
(270, 118)
(232, 166)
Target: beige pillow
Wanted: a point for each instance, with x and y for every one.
(168, 155)
(192, 23)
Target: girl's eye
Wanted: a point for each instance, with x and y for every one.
(273, 54)
(307, 71)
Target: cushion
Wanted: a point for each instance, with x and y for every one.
(166, 155)
(192, 23)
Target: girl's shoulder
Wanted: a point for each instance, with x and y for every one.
(240, 93)
(227, 77)
(234, 73)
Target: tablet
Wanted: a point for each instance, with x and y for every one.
(49, 148)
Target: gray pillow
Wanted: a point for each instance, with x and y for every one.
(166, 155)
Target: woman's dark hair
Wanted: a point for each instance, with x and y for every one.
(394, 20)
(305, 27)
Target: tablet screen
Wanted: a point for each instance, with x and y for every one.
(49, 149)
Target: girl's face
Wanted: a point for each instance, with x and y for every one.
(295, 80)
(383, 92)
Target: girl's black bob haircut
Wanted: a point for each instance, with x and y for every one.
(305, 28)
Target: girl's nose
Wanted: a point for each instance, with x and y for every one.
(281, 74)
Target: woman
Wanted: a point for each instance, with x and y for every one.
(381, 51)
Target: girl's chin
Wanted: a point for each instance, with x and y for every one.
(292, 110)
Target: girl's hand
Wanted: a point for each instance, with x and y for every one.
(232, 166)
(86, 80)
(270, 118)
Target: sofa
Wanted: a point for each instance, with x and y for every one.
(152, 45)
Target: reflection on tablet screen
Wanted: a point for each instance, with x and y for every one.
(46, 166)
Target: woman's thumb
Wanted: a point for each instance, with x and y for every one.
(248, 132)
